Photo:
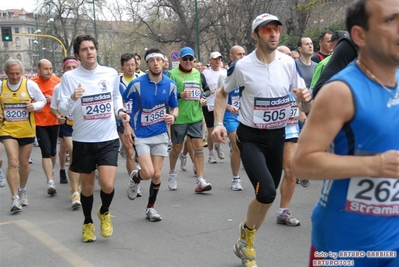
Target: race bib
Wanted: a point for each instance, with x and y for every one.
(194, 89)
(373, 196)
(129, 106)
(96, 107)
(210, 107)
(150, 116)
(271, 113)
(235, 101)
(15, 112)
(294, 113)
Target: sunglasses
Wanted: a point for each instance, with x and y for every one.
(188, 58)
(268, 29)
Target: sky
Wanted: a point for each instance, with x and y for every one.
(28, 5)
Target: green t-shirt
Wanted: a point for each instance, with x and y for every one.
(190, 110)
(318, 70)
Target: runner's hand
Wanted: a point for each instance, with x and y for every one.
(219, 134)
(78, 93)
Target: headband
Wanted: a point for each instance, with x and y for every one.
(70, 60)
(153, 55)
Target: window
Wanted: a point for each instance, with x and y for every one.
(17, 42)
(4, 14)
(16, 29)
(19, 57)
(28, 30)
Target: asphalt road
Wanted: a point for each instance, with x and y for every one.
(196, 230)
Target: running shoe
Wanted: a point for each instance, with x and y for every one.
(202, 186)
(212, 159)
(106, 228)
(152, 215)
(132, 186)
(15, 205)
(30, 161)
(204, 143)
(183, 162)
(67, 158)
(172, 181)
(219, 151)
(63, 177)
(244, 247)
(23, 197)
(2, 179)
(122, 152)
(51, 188)
(139, 191)
(88, 233)
(236, 184)
(248, 263)
(305, 183)
(75, 200)
(287, 219)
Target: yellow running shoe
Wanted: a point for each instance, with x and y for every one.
(244, 248)
(248, 263)
(106, 224)
(88, 233)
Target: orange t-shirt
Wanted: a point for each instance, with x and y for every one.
(44, 116)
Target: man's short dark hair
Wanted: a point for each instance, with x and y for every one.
(126, 57)
(321, 37)
(79, 39)
(357, 15)
(299, 44)
(152, 50)
(137, 55)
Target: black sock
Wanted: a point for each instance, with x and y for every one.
(154, 188)
(245, 226)
(106, 201)
(87, 206)
(137, 178)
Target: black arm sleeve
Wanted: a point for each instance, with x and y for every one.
(204, 83)
(344, 53)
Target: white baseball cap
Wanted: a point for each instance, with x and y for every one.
(264, 19)
(215, 55)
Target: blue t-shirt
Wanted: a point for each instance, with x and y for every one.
(234, 100)
(362, 214)
(150, 101)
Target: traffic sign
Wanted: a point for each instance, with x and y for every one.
(175, 56)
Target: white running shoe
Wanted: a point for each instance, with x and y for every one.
(183, 162)
(219, 151)
(51, 188)
(236, 184)
(202, 186)
(15, 205)
(152, 215)
(2, 179)
(172, 183)
(122, 152)
(212, 159)
(132, 186)
(75, 200)
(23, 197)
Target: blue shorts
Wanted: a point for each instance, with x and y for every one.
(65, 130)
(231, 125)
(21, 141)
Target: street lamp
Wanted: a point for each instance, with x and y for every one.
(95, 25)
